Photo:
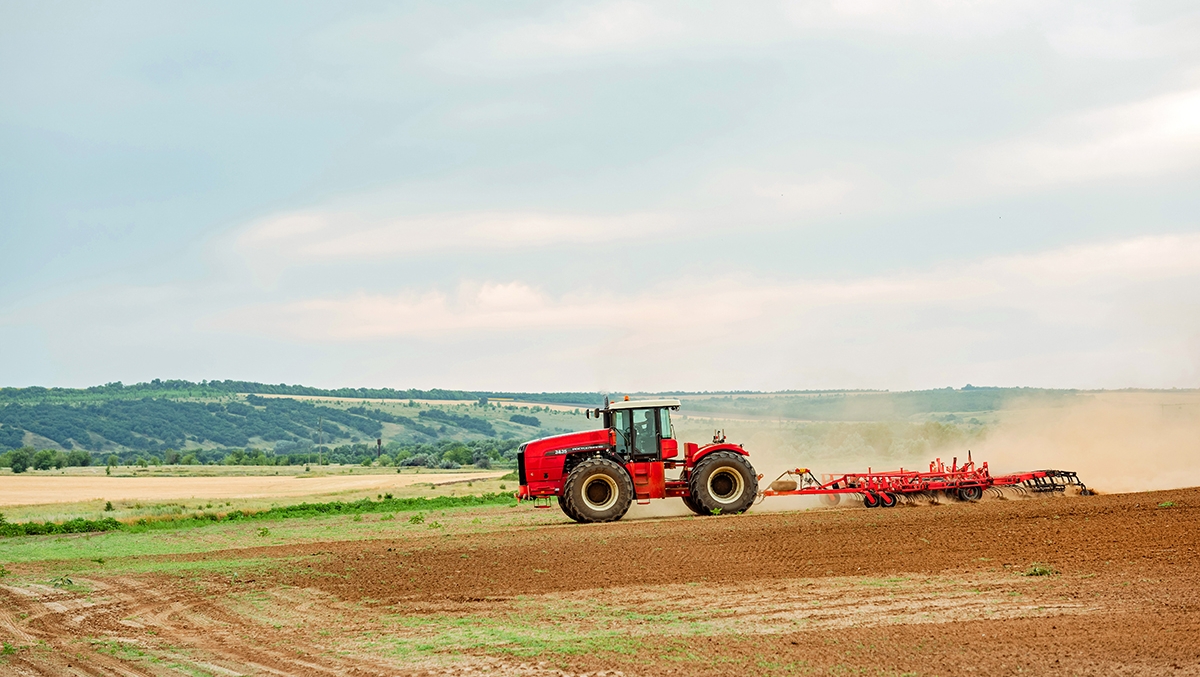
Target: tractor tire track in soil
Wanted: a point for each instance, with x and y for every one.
(925, 590)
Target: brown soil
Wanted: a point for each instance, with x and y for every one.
(937, 590)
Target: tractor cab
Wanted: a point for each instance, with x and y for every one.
(641, 429)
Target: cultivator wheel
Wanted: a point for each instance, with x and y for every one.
(887, 500)
(970, 494)
(870, 500)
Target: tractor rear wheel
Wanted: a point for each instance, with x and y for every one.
(597, 490)
(723, 482)
(694, 506)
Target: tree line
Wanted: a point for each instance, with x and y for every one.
(153, 425)
(445, 453)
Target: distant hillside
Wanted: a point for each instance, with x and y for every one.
(159, 415)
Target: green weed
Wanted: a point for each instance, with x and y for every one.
(1036, 569)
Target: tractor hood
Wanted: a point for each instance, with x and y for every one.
(569, 443)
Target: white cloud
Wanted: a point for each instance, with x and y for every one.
(570, 32)
(1076, 292)
(1143, 138)
(329, 235)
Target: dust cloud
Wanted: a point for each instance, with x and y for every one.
(1117, 442)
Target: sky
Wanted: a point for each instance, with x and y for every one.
(601, 196)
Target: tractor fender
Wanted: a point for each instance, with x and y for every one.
(700, 452)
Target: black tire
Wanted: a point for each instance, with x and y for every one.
(887, 500)
(723, 483)
(694, 506)
(970, 494)
(597, 490)
(870, 500)
(566, 508)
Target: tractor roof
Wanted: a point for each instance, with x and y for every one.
(642, 404)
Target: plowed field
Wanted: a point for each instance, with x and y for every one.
(1096, 585)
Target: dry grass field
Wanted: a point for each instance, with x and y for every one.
(21, 490)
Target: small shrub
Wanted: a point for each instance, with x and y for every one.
(1036, 569)
(387, 518)
(435, 525)
(418, 518)
(4, 572)
(61, 581)
(263, 531)
(108, 506)
(1167, 504)
(357, 517)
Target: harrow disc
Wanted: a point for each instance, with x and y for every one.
(830, 499)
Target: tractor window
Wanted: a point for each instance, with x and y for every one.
(645, 432)
(664, 424)
(621, 426)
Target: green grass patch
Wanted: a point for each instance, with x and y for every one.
(299, 510)
(75, 526)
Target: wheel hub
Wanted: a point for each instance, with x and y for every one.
(600, 492)
(725, 485)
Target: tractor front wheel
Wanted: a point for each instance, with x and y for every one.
(566, 508)
(597, 490)
(723, 482)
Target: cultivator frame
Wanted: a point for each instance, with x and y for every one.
(966, 482)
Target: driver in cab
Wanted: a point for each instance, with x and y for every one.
(644, 432)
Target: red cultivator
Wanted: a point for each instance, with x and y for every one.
(966, 482)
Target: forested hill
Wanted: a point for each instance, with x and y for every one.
(173, 388)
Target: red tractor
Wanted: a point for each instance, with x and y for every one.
(597, 474)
